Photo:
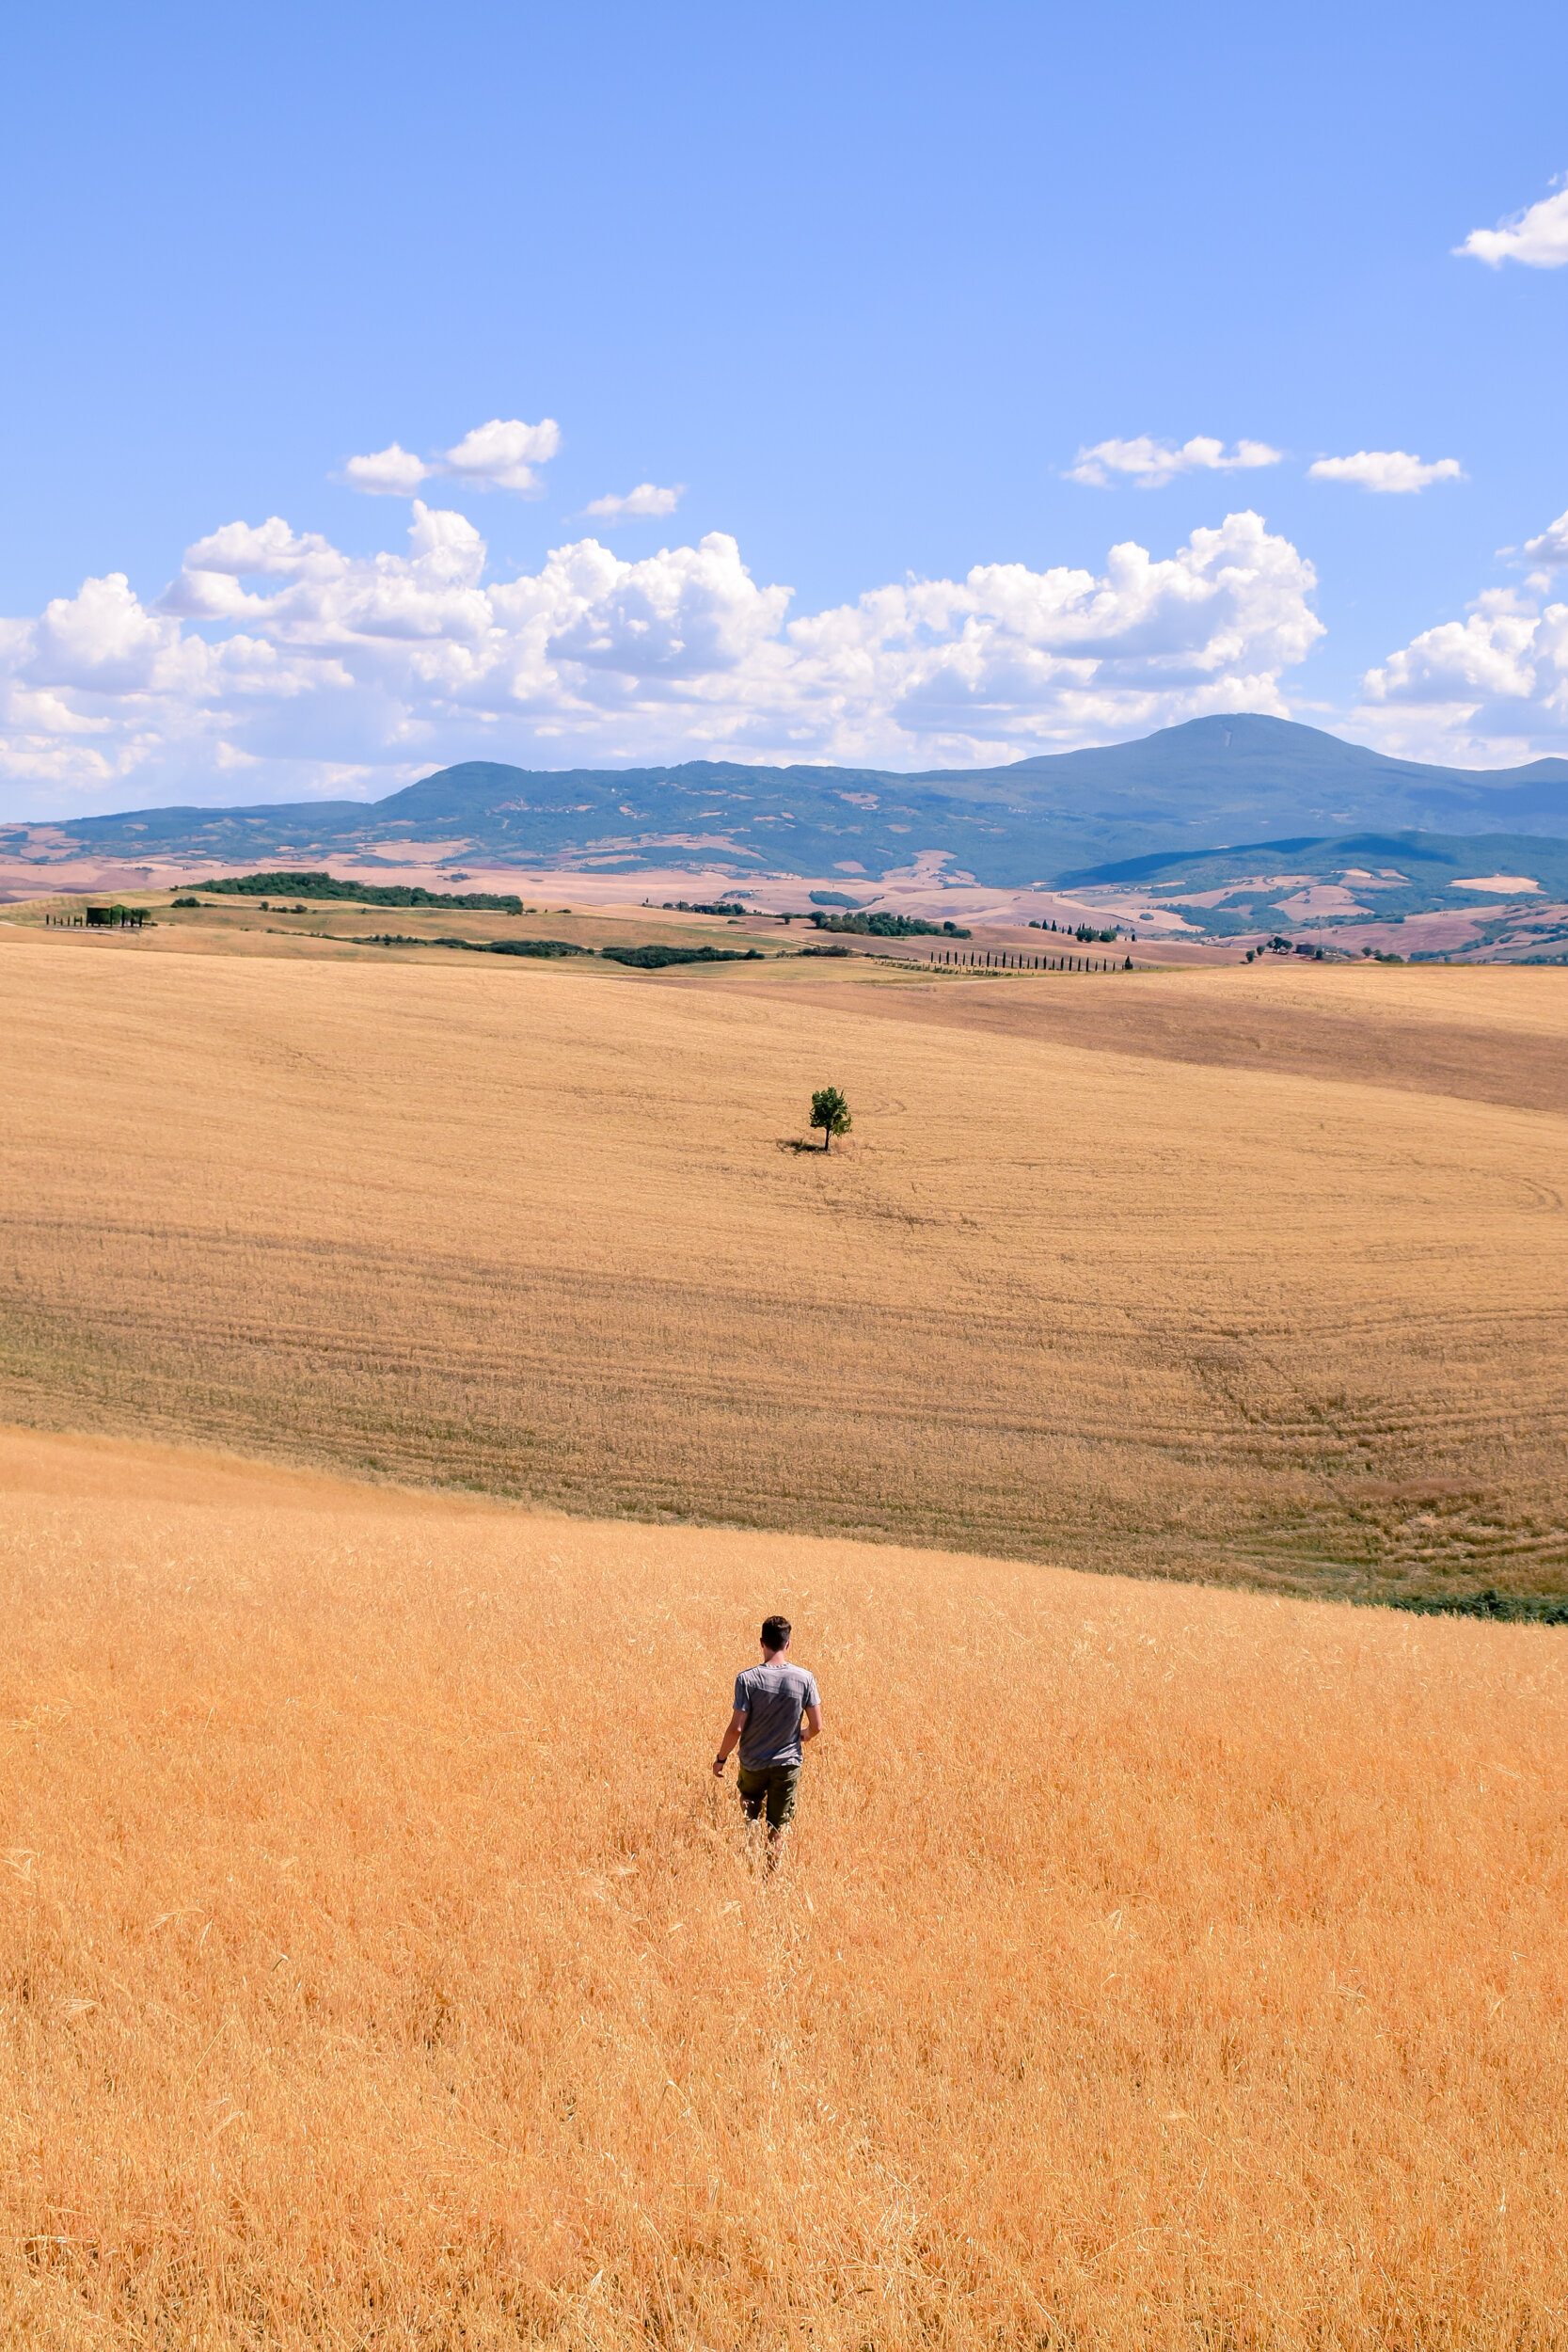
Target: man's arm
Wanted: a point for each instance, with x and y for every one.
(727, 1744)
(811, 1725)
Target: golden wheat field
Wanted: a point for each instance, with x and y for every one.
(381, 1966)
(1255, 1276)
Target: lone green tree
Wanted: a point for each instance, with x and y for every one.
(831, 1112)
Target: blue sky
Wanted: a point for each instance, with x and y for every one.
(865, 281)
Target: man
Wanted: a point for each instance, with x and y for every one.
(776, 1710)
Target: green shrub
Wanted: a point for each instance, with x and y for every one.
(1511, 1608)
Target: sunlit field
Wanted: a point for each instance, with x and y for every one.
(1257, 1277)
(380, 1966)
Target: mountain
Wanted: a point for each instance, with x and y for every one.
(1214, 769)
(1189, 787)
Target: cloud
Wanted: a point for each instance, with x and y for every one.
(208, 588)
(391, 473)
(1551, 548)
(503, 455)
(642, 504)
(1491, 688)
(101, 641)
(314, 670)
(1387, 470)
(270, 550)
(1538, 238)
(1149, 465)
(499, 455)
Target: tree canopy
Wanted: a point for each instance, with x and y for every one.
(830, 1110)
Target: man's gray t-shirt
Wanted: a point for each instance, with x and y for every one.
(773, 1699)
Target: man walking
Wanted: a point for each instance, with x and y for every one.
(776, 1711)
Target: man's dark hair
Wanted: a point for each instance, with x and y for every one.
(775, 1633)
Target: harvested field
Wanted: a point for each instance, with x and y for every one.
(1123, 1300)
(381, 1966)
(1420, 1032)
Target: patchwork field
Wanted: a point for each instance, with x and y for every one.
(380, 1966)
(1255, 1276)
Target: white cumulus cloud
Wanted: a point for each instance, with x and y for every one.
(1489, 690)
(390, 472)
(499, 455)
(101, 641)
(208, 588)
(269, 549)
(1385, 469)
(1551, 546)
(314, 670)
(643, 504)
(503, 453)
(1538, 237)
(1148, 464)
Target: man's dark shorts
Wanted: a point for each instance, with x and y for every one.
(773, 1785)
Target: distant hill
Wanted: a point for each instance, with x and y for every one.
(1210, 782)
(1282, 885)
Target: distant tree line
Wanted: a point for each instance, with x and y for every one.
(651, 959)
(545, 948)
(312, 885)
(1084, 933)
(886, 925)
(655, 958)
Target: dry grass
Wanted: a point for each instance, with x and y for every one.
(380, 1966)
(346, 930)
(531, 1230)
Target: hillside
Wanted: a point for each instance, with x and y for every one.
(1244, 777)
(1515, 884)
(385, 1967)
(1254, 1275)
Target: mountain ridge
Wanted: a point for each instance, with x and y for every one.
(1182, 790)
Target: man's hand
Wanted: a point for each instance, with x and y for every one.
(718, 1764)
